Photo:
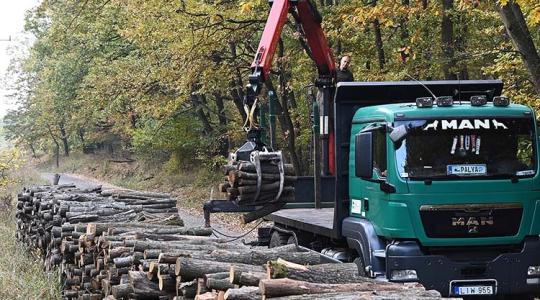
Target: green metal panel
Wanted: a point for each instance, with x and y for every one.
(535, 227)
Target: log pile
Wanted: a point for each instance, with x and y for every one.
(150, 255)
(269, 186)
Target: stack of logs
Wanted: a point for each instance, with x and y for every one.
(147, 254)
(241, 184)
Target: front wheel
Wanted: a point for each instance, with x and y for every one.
(361, 267)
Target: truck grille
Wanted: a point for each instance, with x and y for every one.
(471, 220)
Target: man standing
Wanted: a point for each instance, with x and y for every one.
(343, 73)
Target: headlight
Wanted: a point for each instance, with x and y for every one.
(533, 271)
(401, 275)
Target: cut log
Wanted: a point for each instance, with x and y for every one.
(176, 235)
(249, 189)
(201, 286)
(323, 273)
(200, 245)
(172, 256)
(243, 293)
(151, 253)
(167, 283)
(99, 228)
(187, 289)
(121, 291)
(189, 268)
(371, 295)
(218, 284)
(246, 278)
(206, 296)
(266, 197)
(285, 287)
(260, 257)
(265, 168)
(142, 287)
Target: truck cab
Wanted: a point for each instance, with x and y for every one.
(435, 182)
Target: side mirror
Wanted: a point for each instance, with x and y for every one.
(363, 155)
(398, 133)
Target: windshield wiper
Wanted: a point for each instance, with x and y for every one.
(450, 176)
(511, 176)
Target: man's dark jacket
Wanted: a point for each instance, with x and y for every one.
(344, 75)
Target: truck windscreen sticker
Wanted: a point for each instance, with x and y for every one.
(465, 124)
(466, 170)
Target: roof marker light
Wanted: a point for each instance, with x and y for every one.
(501, 101)
(424, 102)
(478, 100)
(445, 101)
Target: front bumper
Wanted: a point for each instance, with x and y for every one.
(437, 271)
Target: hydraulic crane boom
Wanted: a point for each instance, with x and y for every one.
(309, 21)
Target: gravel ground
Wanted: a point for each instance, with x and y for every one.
(189, 218)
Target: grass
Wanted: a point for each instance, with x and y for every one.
(21, 272)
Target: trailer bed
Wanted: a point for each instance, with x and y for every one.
(320, 221)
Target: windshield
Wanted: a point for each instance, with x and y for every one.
(456, 148)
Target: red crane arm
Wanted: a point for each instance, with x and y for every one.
(269, 40)
(316, 40)
(321, 52)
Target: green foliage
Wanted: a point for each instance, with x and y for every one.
(165, 77)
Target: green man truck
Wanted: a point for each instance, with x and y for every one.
(435, 182)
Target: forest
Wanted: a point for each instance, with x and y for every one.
(165, 80)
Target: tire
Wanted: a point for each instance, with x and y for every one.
(278, 239)
(361, 267)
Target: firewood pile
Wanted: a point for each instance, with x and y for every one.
(267, 185)
(133, 245)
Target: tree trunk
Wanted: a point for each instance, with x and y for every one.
(223, 146)
(196, 101)
(57, 149)
(80, 133)
(447, 39)
(515, 25)
(32, 148)
(379, 43)
(378, 39)
(64, 138)
(236, 85)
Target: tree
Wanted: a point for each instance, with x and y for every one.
(516, 26)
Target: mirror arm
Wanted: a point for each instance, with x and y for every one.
(384, 185)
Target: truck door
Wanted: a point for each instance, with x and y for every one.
(366, 193)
